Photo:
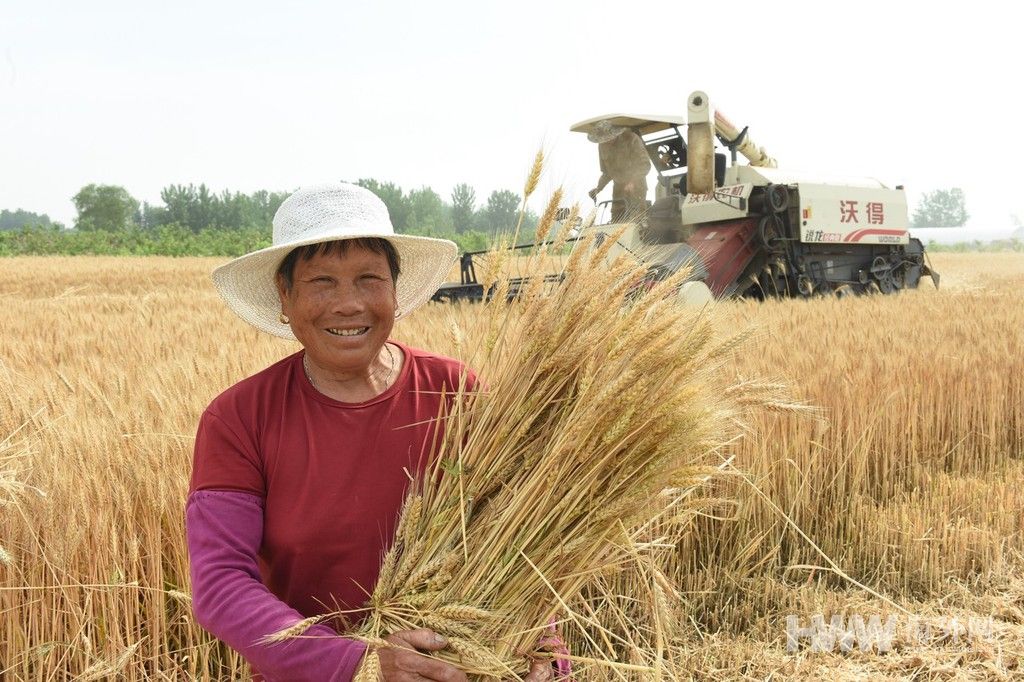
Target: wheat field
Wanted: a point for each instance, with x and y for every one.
(902, 493)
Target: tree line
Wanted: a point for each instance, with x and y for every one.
(193, 220)
(17, 219)
(110, 220)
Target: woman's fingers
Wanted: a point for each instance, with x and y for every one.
(399, 664)
(402, 663)
(422, 639)
(433, 669)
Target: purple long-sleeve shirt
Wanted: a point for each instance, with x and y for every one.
(224, 530)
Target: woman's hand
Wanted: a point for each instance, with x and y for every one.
(540, 671)
(402, 663)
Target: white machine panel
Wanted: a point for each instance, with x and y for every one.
(728, 202)
(852, 215)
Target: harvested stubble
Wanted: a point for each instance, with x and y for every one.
(122, 354)
(589, 407)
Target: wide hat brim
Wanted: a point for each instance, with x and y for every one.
(247, 284)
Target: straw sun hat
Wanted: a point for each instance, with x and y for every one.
(323, 213)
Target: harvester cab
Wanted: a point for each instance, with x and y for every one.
(753, 230)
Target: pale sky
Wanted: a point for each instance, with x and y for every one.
(259, 95)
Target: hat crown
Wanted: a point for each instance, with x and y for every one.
(330, 211)
(604, 131)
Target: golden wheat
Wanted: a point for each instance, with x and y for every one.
(910, 477)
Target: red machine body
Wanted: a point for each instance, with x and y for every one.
(726, 249)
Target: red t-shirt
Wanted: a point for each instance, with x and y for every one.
(333, 475)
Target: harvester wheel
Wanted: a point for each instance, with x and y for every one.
(776, 198)
(768, 231)
(885, 275)
(899, 278)
(843, 291)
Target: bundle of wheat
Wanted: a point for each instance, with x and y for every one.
(595, 399)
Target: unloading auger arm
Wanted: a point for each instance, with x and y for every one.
(704, 123)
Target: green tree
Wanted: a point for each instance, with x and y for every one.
(263, 206)
(152, 216)
(231, 211)
(193, 207)
(200, 209)
(463, 207)
(105, 207)
(502, 212)
(429, 215)
(941, 208)
(17, 219)
(472, 240)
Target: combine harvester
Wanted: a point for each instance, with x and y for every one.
(751, 230)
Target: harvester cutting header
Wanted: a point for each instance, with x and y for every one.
(748, 230)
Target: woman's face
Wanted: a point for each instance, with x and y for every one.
(341, 307)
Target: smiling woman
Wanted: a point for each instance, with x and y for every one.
(300, 470)
(339, 298)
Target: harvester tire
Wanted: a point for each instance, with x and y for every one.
(776, 198)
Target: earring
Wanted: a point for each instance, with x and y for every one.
(283, 318)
